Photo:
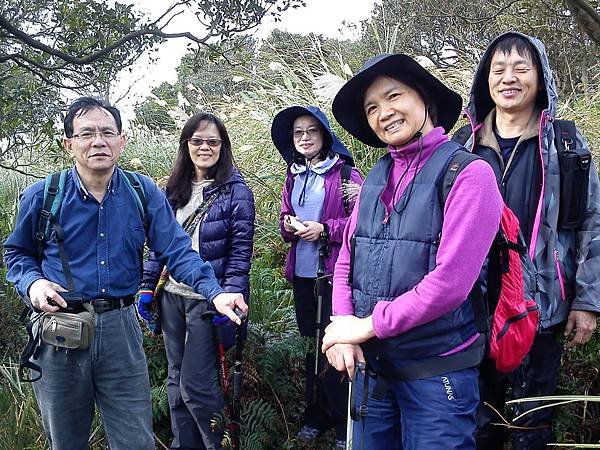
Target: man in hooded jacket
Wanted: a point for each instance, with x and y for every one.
(511, 110)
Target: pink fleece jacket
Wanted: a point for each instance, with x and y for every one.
(471, 219)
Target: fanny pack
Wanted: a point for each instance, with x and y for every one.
(68, 330)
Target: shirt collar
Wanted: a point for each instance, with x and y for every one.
(84, 192)
(321, 167)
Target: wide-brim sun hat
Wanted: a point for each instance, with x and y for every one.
(281, 132)
(348, 108)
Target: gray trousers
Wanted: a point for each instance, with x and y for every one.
(192, 386)
(111, 373)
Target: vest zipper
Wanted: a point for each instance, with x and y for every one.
(560, 277)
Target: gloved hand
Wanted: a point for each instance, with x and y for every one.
(144, 304)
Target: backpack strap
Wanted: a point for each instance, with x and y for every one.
(31, 350)
(134, 184)
(457, 163)
(345, 174)
(565, 134)
(54, 191)
(462, 135)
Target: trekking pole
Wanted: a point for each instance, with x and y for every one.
(237, 382)
(323, 252)
(352, 413)
(233, 414)
(349, 421)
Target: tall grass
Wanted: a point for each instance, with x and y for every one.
(273, 358)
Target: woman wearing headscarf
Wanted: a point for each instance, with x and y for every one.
(313, 214)
(408, 261)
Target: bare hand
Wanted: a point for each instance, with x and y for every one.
(347, 330)
(226, 302)
(583, 324)
(287, 226)
(312, 231)
(344, 357)
(41, 290)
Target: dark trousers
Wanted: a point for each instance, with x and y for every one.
(193, 386)
(537, 376)
(327, 407)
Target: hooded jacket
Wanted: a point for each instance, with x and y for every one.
(335, 211)
(226, 237)
(567, 262)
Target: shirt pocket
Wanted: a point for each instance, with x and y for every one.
(128, 247)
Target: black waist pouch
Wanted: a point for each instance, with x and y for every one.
(575, 165)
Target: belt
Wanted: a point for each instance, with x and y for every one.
(102, 305)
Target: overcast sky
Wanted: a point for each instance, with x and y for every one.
(319, 16)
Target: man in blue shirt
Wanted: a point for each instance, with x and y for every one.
(104, 235)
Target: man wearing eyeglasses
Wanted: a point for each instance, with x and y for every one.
(104, 235)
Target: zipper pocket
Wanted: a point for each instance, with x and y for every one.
(560, 277)
(514, 319)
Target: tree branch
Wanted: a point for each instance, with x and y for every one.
(586, 17)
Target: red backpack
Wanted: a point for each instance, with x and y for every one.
(503, 296)
(516, 315)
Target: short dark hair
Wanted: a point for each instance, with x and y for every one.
(179, 185)
(82, 105)
(526, 49)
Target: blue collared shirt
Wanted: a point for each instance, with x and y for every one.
(104, 241)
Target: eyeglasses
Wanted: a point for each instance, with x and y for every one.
(90, 135)
(311, 132)
(212, 142)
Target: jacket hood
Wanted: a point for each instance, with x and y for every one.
(480, 102)
(281, 132)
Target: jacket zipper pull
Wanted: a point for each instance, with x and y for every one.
(386, 218)
(53, 328)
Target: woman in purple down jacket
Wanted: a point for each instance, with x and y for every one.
(209, 195)
(313, 216)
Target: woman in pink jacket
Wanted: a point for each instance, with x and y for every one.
(313, 216)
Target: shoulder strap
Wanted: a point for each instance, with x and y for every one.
(345, 173)
(457, 163)
(54, 190)
(31, 350)
(462, 134)
(192, 221)
(136, 188)
(565, 134)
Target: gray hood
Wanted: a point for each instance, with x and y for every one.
(480, 102)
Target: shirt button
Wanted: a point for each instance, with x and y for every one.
(103, 290)
(101, 234)
(102, 263)
(101, 207)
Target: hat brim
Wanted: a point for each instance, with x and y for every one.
(348, 108)
(281, 132)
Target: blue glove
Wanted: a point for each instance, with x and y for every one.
(144, 305)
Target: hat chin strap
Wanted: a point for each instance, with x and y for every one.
(419, 133)
(309, 161)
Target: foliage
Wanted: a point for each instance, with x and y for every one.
(442, 30)
(20, 420)
(286, 69)
(49, 46)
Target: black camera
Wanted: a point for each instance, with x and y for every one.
(74, 301)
